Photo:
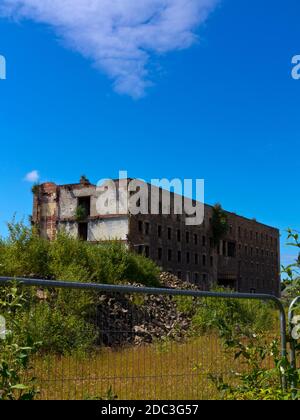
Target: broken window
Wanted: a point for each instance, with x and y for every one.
(85, 204)
(195, 239)
(147, 251)
(159, 231)
(179, 256)
(231, 249)
(188, 257)
(178, 236)
(187, 237)
(140, 226)
(147, 228)
(83, 231)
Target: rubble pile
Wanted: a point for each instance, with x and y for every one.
(138, 318)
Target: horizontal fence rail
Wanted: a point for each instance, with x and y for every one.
(131, 360)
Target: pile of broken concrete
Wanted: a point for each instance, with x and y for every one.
(137, 318)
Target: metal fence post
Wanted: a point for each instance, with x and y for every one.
(293, 342)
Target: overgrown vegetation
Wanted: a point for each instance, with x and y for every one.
(64, 319)
(25, 254)
(57, 323)
(291, 284)
(252, 346)
(212, 315)
(219, 223)
(16, 348)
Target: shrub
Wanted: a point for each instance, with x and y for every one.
(212, 314)
(25, 254)
(16, 348)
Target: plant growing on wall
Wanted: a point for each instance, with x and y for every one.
(219, 223)
(35, 189)
(80, 214)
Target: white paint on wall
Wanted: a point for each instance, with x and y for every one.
(109, 229)
(70, 228)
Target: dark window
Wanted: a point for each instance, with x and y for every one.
(204, 278)
(211, 242)
(85, 204)
(196, 277)
(188, 258)
(179, 256)
(140, 226)
(196, 259)
(187, 237)
(178, 235)
(159, 253)
(147, 251)
(204, 240)
(140, 249)
(231, 249)
(179, 275)
(159, 231)
(204, 260)
(169, 255)
(196, 239)
(83, 231)
(224, 248)
(147, 228)
(211, 261)
(169, 234)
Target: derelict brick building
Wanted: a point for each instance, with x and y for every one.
(246, 259)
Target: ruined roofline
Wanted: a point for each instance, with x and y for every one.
(90, 185)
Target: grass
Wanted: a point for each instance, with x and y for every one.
(165, 370)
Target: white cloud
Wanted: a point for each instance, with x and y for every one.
(32, 176)
(118, 36)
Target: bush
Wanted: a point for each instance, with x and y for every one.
(16, 348)
(25, 254)
(212, 314)
(62, 319)
(59, 332)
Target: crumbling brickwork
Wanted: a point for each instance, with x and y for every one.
(246, 259)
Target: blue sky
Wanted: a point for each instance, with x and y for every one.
(224, 108)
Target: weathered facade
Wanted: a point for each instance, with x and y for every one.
(247, 258)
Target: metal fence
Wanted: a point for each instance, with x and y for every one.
(125, 342)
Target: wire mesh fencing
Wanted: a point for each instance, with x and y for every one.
(130, 343)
